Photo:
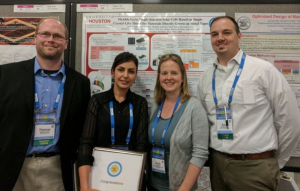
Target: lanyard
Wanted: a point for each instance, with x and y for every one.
(112, 121)
(167, 126)
(60, 90)
(238, 74)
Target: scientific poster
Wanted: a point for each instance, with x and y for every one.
(274, 37)
(17, 39)
(296, 90)
(148, 36)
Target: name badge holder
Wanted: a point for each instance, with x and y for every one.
(224, 115)
(224, 123)
(112, 121)
(159, 154)
(44, 129)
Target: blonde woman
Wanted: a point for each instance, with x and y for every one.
(178, 130)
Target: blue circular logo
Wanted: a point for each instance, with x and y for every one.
(114, 169)
(209, 22)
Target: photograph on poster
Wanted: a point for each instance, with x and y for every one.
(17, 38)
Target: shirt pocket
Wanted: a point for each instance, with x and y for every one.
(248, 92)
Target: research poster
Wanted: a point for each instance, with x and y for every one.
(17, 39)
(148, 36)
(274, 37)
(296, 90)
(296, 152)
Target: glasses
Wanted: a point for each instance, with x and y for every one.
(47, 35)
(170, 56)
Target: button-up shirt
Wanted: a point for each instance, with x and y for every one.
(47, 89)
(264, 108)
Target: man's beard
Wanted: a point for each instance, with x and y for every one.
(51, 56)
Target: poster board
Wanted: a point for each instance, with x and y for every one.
(229, 9)
(20, 46)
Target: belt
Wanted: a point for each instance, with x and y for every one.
(43, 154)
(263, 155)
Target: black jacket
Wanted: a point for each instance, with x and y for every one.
(16, 120)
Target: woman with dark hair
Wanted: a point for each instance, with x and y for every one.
(120, 100)
(178, 130)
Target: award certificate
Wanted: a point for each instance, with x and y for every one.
(115, 169)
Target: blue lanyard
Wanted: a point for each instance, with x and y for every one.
(112, 121)
(55, 106)
(238, 74)
(167, 126)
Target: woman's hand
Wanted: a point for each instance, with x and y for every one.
(84, 172)
(183, 189)
(89, 189)
(190, 178)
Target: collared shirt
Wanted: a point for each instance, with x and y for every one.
(264, 108)
(97, 127)
(47, 89)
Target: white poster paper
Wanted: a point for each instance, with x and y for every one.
(104, 8)
(296, 152)
(148, 36)
(274, 37)
(49, 8)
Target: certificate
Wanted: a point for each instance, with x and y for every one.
(115, 169)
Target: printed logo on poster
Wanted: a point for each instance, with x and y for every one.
(114, 169)
(244, 23)
(211, 20)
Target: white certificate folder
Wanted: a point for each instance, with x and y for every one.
(118, 170)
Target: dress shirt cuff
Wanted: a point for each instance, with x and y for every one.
(85, 160)
(197, 161)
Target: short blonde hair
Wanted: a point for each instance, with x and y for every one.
(159, 92)
(54, 18)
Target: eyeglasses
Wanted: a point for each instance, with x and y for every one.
(169, 56)
(47, 35)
